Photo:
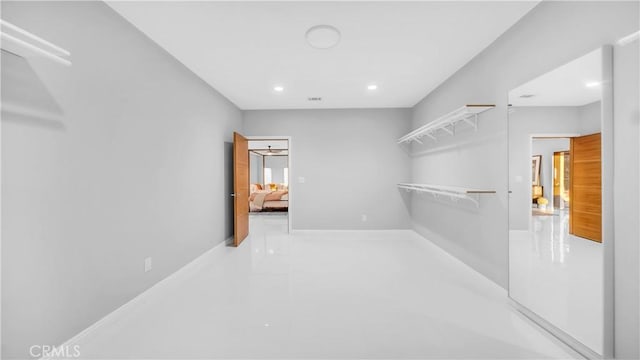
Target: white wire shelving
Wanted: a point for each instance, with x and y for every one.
(453, 192)
(447, 123)
(23, 43)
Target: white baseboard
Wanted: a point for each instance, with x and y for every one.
(184, 272)
(567, 341)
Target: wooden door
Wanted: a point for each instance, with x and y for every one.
(585, 210)
(240, 188)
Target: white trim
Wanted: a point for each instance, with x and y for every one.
(184, 272)
(291, 185)
(562, 338)
(608, 236)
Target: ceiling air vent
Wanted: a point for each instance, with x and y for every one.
(314, 99)
(526, 96)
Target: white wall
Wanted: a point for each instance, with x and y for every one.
(546, 148)
(135, 167)
(550, 35)
(590, 118)
(350, 161)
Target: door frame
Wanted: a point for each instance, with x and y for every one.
(545, 136)
(289, 163)
(558, 155)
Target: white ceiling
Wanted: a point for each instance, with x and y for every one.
(565, 85)
(264, 144)
(244, 49)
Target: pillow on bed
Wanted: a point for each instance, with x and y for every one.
(254, 187)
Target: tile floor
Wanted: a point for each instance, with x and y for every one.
(559, 276)
(385, 294)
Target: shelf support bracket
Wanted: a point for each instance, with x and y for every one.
(473, 123)
(474, 200)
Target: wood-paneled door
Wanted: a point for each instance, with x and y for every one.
(585, 210)
(240, 188)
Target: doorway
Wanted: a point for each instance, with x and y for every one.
(561, 179)
(270, 186)
(545, 176)
(566, 171)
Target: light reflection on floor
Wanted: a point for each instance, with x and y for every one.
(318, 295)
(559, 277)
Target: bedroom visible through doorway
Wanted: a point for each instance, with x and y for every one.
(269, 162)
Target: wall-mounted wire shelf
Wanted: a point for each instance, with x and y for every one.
(447, 123)
(23, 43)
(453, 192)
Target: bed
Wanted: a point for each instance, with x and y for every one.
(275, 198)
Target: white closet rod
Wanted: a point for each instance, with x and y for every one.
(5, 36)
(451, 191)
(42, 41)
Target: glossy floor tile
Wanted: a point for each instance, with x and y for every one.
(559, 277)
(382, 294)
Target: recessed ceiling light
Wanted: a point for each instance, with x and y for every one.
(592, 84)
(372, 87)
(323, 36)
(278, 88)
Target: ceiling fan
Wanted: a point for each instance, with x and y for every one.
(271, 151)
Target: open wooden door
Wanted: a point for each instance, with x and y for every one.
(585, 211)
(240, 188)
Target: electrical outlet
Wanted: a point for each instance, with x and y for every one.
(364, 217)
(148, 265)
(301, 179)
